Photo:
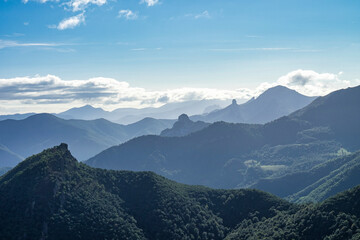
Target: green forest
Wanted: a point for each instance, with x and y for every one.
(52, 196)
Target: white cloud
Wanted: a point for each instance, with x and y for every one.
(71, 22)
(150, 3)
(127, 14)
(46, 93)
(204, 14)
(43, 93)
(250, 49)
(311, 83)
(75, 5)
(80, 5)
(7, 44)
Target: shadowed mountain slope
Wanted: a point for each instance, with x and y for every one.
(228, 155)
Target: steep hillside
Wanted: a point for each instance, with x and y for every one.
(299, 186)
(336, 218)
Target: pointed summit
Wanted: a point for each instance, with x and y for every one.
(183, 118)
(63, 146)
(183, 126)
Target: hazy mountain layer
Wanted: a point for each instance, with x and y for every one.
(274, 103)
(132, 115)
(85, 138)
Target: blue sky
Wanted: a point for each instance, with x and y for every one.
(168, 44)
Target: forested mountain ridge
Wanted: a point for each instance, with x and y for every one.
(336, 218)
(52, 196)
(226, 155)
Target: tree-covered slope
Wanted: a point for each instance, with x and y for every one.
(340, 111)
(336, 218)
(299, 184)
(85, 138)
(52, 196)
(338, 180)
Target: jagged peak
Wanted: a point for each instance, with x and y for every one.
(63, 146)
(183, 117)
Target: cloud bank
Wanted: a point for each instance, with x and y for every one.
(53, 94)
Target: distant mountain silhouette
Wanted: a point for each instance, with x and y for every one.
(86, 112)
(184, 126)
(228, 155)
(18, 116)
(272, 104)
(86, 138)
(132, 115)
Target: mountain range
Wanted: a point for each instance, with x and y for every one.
(225, 155)
(270, 105)
(131, 115)
(52, 196)
(22, 138)
(274, 103)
